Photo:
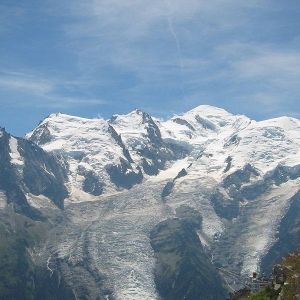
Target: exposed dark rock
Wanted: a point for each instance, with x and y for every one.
(152, 157)
(184, 122)
(226, 203)
(253, 191)
(282, 175)
(225, 207)
(123, 176)
(155, 152)
(228, 161)
(92, 184)
(234, 141)
(39, 174)
(11, 183)
(280, 274)
(206, 124)
(189, 214)
(183, 271)
(41, 135)
(178, 152)
(240, 176)
(152, 129)
(279, 176)
(149, 168)
(167, 189)
(119, 141)
(182, 173)
(226, 199)
(42, 174)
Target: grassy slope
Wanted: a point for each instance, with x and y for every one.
(291, 288)
(263, 295)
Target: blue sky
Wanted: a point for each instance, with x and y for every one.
(96, 58)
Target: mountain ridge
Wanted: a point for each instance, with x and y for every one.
(132, 135)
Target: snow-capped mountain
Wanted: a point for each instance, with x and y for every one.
(130, 185)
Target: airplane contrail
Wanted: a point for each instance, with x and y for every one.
(178, 46)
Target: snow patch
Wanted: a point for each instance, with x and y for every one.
(3, 200)
(41, 202)
(16, 158)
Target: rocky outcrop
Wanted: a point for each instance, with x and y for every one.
(151, 150)
(123, 176)
(183, 270)
(43, 174)
(167, 190)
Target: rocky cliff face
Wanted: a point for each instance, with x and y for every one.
(25, 170)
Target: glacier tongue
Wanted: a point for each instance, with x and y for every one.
(16, 158)
(112, 234)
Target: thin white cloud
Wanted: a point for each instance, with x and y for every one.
(47, 93)
(253, 60)
(84, 101)
(34, 86)
(266, 66)
(271, 64)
